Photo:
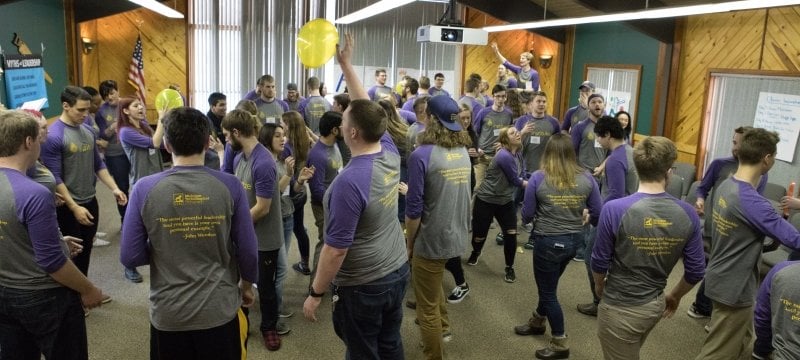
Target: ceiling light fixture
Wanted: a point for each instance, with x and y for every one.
(372, 10)
(159, 8)
(648, 14)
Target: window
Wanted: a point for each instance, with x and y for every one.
(619, 85)
(216, 38)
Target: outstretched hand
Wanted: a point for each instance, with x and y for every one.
(345, 53)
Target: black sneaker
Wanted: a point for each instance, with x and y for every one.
(473, 258)
(499, 239)
(529, 245)
(510, 276)
(458, 294)
(133, 275)
(695, 314)
(302, 268)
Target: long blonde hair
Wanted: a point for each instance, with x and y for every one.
(298, 137)
(559, 163)
(396, 126)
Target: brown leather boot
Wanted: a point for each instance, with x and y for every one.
(556, 349)
(534, 326)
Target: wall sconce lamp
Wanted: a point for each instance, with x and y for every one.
(545, 61)
(88, 45)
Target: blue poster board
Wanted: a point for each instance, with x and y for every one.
(24, 78)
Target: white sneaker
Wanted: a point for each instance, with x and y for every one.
(100, 242)
(100, 234)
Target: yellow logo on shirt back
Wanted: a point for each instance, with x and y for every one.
(177, 199)
(654, 222)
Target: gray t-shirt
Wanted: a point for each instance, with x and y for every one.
(487, 125)
(258, 175)
(590, 153)
(741, 219)
(639, 240)
(312, 109)
(145, 159)
(361, 215)
(503, 178)
(534, 142)
(439, 194)
(558, 212)
(71, 154)
(619, 178)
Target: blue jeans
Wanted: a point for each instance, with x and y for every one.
(283, 259)
(551, 255)
(47, 322)
(368, 317)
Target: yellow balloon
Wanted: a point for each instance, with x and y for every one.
(316, 42)
(168, 99)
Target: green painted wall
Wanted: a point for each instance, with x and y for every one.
(38, 22)
(615, 43)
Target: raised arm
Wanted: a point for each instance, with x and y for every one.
(344, 56)
(497, 52)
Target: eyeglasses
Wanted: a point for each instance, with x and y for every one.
(500, 96)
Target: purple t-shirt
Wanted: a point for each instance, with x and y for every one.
(530, 76)
(620, 178)
(639, 240)
(409, 116)
(32, 246)
(327, 162)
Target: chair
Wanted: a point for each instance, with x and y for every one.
(686, 171)
(774, 192)
(691, 195)
(675, 186)
(769, 259)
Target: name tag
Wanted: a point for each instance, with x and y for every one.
(270, 120)
(286, 192)
(597, 144)
(496, 132)
(536, 140)
(151, 151)
(529, 85)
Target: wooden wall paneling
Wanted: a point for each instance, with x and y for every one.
(782, 40)
(674, 76)
(481, 59)
(164, 51)
(728, 40)
(90, 63)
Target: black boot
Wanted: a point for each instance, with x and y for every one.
(556, 349)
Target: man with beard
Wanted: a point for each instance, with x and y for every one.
(293, 97)
(269, 107)
(377, 91)
(411, 91)
(578, 112)
(719, 170)
(326, 160)
(590, 155)
(257, 171)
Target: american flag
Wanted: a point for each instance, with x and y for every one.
(136, 72)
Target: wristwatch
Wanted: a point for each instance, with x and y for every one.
(314, 294)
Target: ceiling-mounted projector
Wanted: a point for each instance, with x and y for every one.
(452, 35)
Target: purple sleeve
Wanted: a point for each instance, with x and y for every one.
(477, 108)
(417, 167)
(575, 134)
(134, 138)
(409, 105)
(251, 95)
(567, 123)
(134, 250)
(764, 218)
(102, 124)
(243, 234)
(227, 159)
(347, 202)
(371, 93)
(317, 182)
(99, 164)
(505, 161)
(489, 100)
(512, 83)
(264, 177)
(301, 108)
(409, 116)
(529, 201)
(477, 122)
(514, 68)
(284, 105)
(520, 122)
(534, 79)
(555, 124)
(593, 202)
(51, 151)
(388, 144)
(287, 151)
(607, 228)
(762, 184)
(762, 318)
(615, 175)
(708, 179)
(694, 261)
(37, 211)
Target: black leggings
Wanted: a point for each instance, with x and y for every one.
(300, 229)
(506, 215)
